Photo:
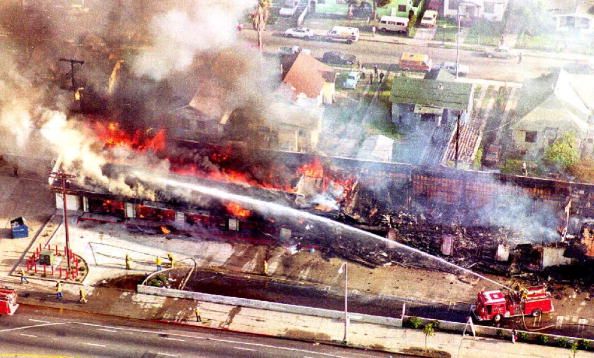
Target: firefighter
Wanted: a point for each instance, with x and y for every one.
(197, 313)
(158, 262)
(59, 294)
(170, 257)
(22, 275)
(128, 262)
(83, 295)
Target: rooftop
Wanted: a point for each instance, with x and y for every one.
(433, 93)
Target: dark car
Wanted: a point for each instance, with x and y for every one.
(339, 58)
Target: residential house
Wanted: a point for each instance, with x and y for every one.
(429, 99)
(552, 106)
(400, 8)
(308, 78)
(204, 118)
(492, 10)
(307, 84)
(572, 16)
(426, 111)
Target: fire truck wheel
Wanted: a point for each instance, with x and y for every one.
(536, 313)
(497, 318)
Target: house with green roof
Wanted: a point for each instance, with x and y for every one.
(400, 8)
(437, 97)
(551, 106)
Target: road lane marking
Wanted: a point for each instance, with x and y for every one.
(175, 339)
(245, 349)
(28, 335)
(38, 320)
(212, 339)
(273, 347)
(34, 326)
(167, 354)
(106, 330)
(95, 344)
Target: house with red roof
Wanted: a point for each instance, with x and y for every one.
(308, 78)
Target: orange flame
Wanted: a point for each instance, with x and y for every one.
(165, 230)
(237, 211)
(312, 170)
(140, 141)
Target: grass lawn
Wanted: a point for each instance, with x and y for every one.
(484, 33)
(540, 42)
(445, 31)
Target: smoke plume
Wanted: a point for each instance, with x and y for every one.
(180, 34)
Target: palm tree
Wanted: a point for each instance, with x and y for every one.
(259, 19)
(429, 330)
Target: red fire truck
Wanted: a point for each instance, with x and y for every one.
(495, 305)
(8, 304)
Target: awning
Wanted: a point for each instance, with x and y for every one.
(427, 110)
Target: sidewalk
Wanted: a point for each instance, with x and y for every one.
(109, 301)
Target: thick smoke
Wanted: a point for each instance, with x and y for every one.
(181, 34)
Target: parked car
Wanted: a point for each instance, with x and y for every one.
(343, 34)
(451, 68)
(339, 58)
(429, 18)
(351, 80)
(291, 50)
(499, 52)
(299, 32)
(289, 8)
(415, 62)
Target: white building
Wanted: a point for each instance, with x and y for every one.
(491, 10)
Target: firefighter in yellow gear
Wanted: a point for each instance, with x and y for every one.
(83, 295)
(59, 294)
(197, 313)
(159, 263)
(170, 257)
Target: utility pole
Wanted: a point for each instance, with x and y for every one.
(457, 59)
(457, 133)
(72, 63)
(62, 176)
(346, 300)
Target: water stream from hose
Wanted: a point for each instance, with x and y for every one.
(281, 210)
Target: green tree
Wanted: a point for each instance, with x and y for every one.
(428, 330)
(259, 19)
(563, 152)
(530, 17)
(574, 347)
(411, 25)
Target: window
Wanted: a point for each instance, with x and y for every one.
(401, 8)
(530, 137)
(489, 7)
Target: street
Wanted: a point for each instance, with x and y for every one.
(36, 330)
(384, 53)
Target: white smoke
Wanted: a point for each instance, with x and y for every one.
(181, 34)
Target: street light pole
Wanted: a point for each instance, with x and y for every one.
(62, 176)
(458, 39)
(346, 301)
(457, 133)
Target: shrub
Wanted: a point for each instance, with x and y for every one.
(543, 339)
(523, 336)
(415, 322)
(563, 342)
(583, 344)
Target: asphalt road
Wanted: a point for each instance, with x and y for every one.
(35, 331)
(384, 54)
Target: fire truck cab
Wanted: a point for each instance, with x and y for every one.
(495, 305)
(8, 301)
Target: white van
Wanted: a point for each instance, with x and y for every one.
(393, 23)
(289, 8)
(429, 18)
(342, 33)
